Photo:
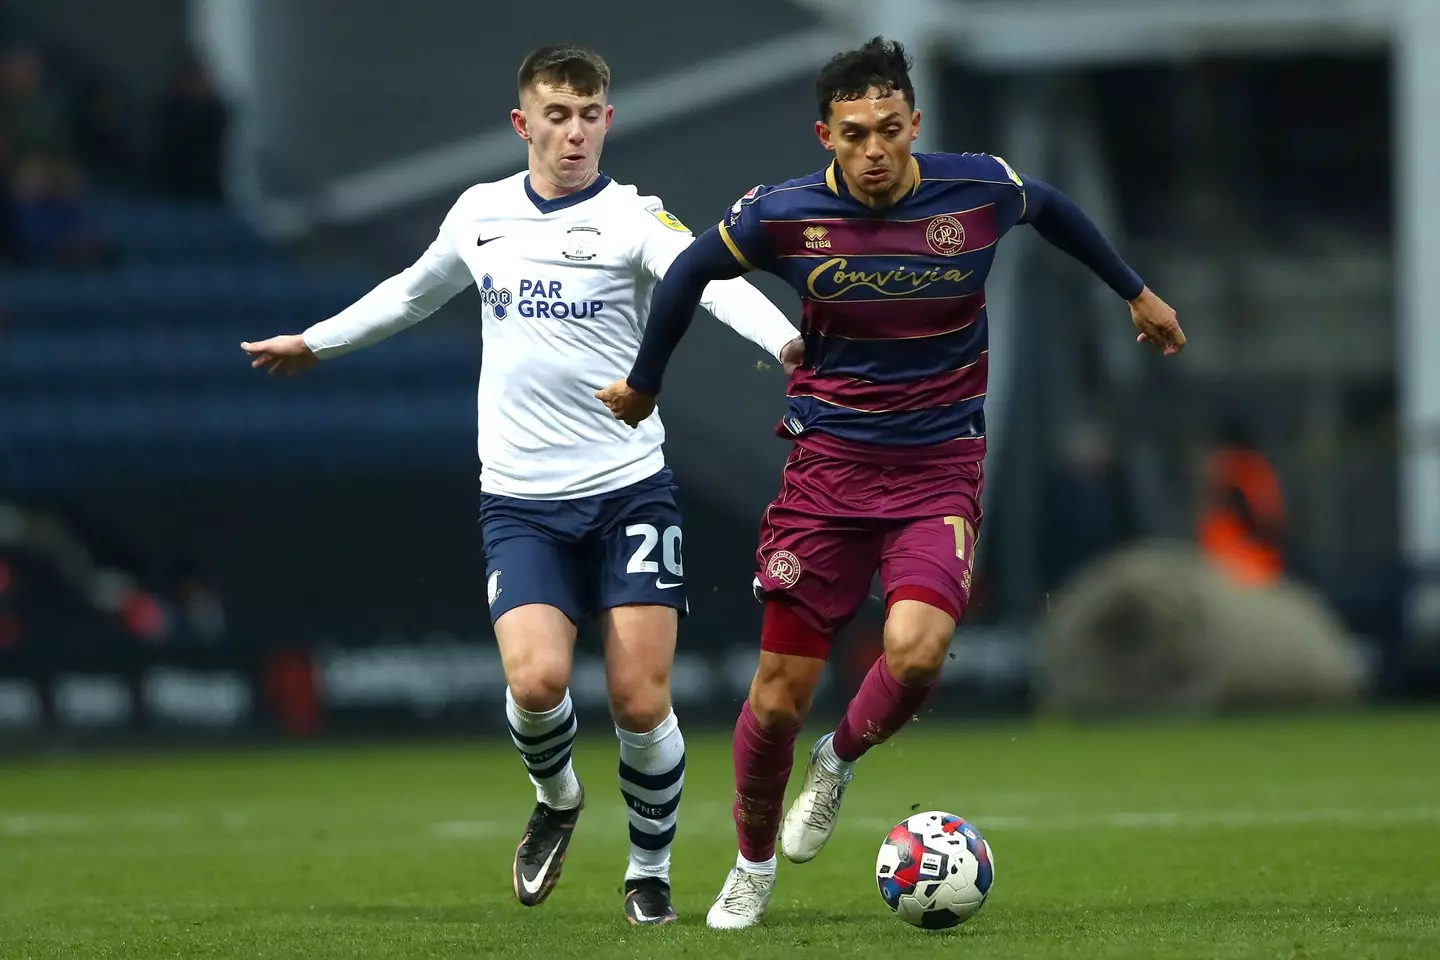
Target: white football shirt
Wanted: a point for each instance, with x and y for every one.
(565, 289)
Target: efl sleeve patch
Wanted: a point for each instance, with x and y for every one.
(668, 218)
(1010, 172)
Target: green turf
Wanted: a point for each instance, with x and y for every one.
(1297, 838)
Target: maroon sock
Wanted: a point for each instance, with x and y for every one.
(880, 707)
(762, 768)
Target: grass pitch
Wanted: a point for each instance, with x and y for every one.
(1261, 838)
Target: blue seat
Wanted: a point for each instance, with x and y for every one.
(136, 371)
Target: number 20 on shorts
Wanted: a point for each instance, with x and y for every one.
(669, 542)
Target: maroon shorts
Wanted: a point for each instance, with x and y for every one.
(836, 522)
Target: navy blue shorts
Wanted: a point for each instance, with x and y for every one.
(585, 555)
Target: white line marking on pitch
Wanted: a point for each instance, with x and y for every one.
(1169, 820)
(60, 824)
(713, 817)
(472, 829)
(1137, 820)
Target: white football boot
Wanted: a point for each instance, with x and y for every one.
(742, 900)
(811, 818)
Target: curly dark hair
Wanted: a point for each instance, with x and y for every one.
(880, 64)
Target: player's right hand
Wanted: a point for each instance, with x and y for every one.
(283, 356)
(627, 403)
(1156, 321)
(792, 356)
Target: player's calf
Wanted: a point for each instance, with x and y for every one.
(639, 653)
(780, 697)
(917, 636)
(542, 718)
(535, 643)
(762, 768)
(781, 694)
(545, 742)
(652, 777)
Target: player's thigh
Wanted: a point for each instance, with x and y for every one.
(813, 565)
(639, 655)
(925, 571)
(640, 559)
(536, 597)
(532, 555)
(930, 559)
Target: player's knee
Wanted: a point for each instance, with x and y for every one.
(777, 707)
(641, 706)
(915, 665)
(539, 685)
(781, 694)
(916, 642)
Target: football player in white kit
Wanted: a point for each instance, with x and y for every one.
(577, 510)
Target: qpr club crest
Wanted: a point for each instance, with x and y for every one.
(945, 235)
(783, 567)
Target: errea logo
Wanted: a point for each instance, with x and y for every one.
(496, 298)
(815, 237)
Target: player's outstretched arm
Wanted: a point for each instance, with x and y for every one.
(705, 261)
(1063, 224)
(395, 304)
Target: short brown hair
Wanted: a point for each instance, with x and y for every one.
(562, 65)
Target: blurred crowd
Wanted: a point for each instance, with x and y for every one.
(89, 589)
(64, 137)
(70, 139)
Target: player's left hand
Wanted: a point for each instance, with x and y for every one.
(626, 403)
(1156, 321)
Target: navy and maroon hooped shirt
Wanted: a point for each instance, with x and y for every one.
(893, 303)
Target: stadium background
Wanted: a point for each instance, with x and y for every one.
(189, 550)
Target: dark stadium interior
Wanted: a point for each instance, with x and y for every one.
(193, 553)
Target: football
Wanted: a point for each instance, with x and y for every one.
(935, 870)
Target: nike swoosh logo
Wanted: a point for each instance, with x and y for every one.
(481, 241)
(667, 586)
(533, 885)
(640, 914)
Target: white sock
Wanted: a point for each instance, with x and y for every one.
(830, 762)
(755, 866)
(544, 741)
(652, 773)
